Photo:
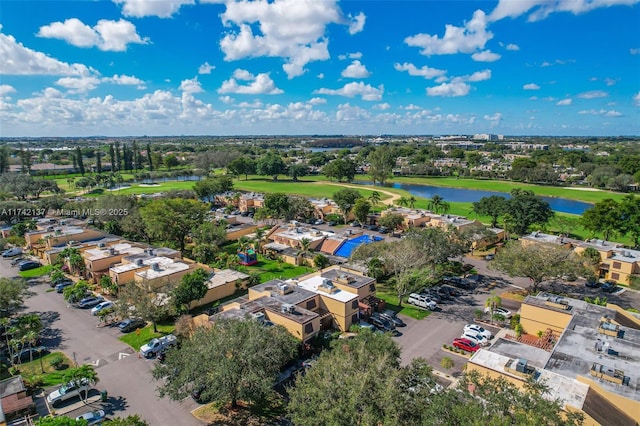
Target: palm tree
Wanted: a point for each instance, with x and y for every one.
(403, 201)
(78, 375)
(437, 204)
(304, 248)
(258, 240)
(412, 201)
(374, 198)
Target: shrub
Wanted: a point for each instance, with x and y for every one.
(514, 321)
(478, 313)
(447, 363)
(56, 361)
(518, 329)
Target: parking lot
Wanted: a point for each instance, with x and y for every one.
(125, 377)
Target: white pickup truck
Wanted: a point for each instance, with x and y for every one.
(155, 346)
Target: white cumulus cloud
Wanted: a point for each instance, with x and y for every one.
(564, 102)
(382, 107)
(494, 119)
(6, 89)
(468, 39)
(512, 47)
(636, 99)
(350, 90)
(106, 35)
(260, 84)
(453, 89)
(206, 68)
(477, 76)
(191, 86)
(357, 23)
(540, 9)
(531, 86)
(593, 94)
(79, 84)
(290, 29)
(20, 60)
(159, 8)
(485, 56)
(355, 70)
(423, 71)
(125, 80)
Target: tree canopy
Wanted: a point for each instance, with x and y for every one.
(192, 287)
(538, 262)
(231, 361)
(493, 206)
(272, 165)
(12, 293)
(172, 219)
(346, 199)
(526, 209)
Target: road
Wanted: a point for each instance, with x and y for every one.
(125, 377)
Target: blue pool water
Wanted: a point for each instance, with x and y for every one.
(349, 246)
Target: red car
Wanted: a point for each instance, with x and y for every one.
(465, 345)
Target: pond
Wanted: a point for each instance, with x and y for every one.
(457, 195)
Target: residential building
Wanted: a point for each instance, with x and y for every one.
(99, 259)
(294, 233)
(221, 284)
(124, 272)
(617, 263)
(57, 235)
(14, 400)
(160, 274)
(330, 298)
(587, 359)
(250, 201)
(538, 237)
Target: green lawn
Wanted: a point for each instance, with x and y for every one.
(384, 292)
(50, 377)
(272, 269)
(141, 337)
(36, 272)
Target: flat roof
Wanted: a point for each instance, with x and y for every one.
(297, 295)
(62, 231)
(270, 305)
(163, 270)
(298, 233)
(355, 280)
(599, 244)
(625, 255)
(314, 284)
(147, 261)
(509, 348)
(566, 389)
(546, 238)
(118, 249)
(225, 276)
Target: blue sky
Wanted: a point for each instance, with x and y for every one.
(225, 67)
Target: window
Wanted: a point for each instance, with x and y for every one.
(311, 304)
(308, 328)
(616, 265)
(372, 288)
(354, 304)
(615, 276)
(354, 319)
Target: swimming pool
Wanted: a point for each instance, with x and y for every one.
(349, 246)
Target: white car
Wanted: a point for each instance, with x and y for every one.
(92, 417)
(101, 307)
(15, 251)
(477, 329)
(475, 337)
(421, 301)
(68, 391)
(499, 311)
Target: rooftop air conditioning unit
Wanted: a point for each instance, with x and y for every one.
(139, 262)
(150, 251)
(49, 228)
(63, 222)
(155, 266)
(101, 245)
(112, 251)
(285, 289)
(288, 308)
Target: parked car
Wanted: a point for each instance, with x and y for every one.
(92, 417)
(499, 311)
(609, 286)
(27, 354)
(364, 324)
(318, 222)
(431, 295)
(14, 251)
(331, 223)
(393, 317)
(372, 227)
(465, 345)
(65, 280)
(384, 325)
(489, 257)
(102, 306)
(68, 391)
(592, 284)
(355, 223)
(29, 264)
(60, 287)
(18, 260)
(475, 337)
(421, 301)
(478, 329)
(131, 324)
(383, 230)
(90, 301)
(156, 345)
